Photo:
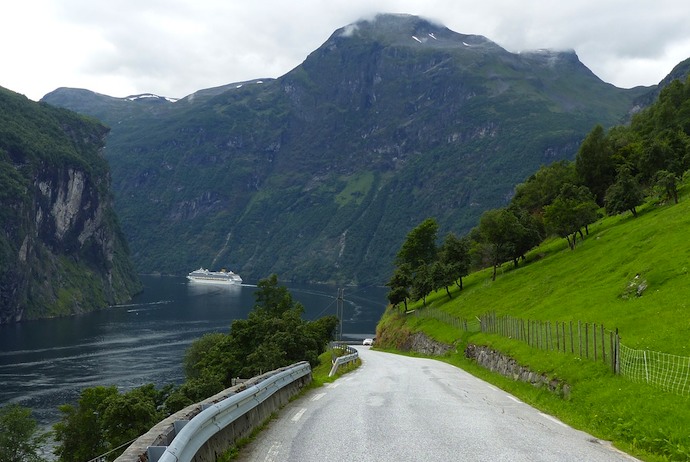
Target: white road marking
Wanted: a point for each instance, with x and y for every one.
(273, 452)
(318, 396)
(332, 385)
(299, 414)
(514, 399)
(552, 419)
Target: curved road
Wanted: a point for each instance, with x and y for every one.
(397, 408)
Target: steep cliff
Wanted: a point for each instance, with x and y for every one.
(61, 248)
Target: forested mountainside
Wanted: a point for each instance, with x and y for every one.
(61, 247)
(319, 174)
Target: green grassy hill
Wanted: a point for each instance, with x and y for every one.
(588, 284)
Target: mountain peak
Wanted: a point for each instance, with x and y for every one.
(409, 30)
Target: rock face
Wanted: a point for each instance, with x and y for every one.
(61, 249)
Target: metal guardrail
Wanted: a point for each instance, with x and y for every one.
(341, 360)
(197, 431)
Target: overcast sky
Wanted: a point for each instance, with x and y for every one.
(175, 47)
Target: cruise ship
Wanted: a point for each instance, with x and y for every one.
(205, 276)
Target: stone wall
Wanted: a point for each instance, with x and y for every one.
(488, 358)
(421, 343)
(498, 362)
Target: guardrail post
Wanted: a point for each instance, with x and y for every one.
(155, 452)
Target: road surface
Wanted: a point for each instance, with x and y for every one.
(396, 408)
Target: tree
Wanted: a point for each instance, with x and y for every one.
(423, 283)
(128, 415)
(625, 194)
(543, 187)
(497, 229)
(572, 210)
(443, 275)
(594, 163)
(104, 420)
(399, 285)
(455, 252)
(419, 247)
(80, 434)
(20, 439)
(526, 236)
(668, 183)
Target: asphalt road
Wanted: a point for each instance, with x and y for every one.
(396, 408)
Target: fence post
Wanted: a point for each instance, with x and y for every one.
(558, 337)
(579, 336)
(613, 354)
(572, 343)
(594, 340)
(603, 344)
(587, 340)
(617, 361)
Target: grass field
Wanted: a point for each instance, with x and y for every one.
(589, 284)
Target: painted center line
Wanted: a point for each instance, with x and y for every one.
(318, 396)
(299, 414)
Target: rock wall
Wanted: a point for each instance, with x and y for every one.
(498, 362)
(420, 343)
(488, 358)
(61, 249)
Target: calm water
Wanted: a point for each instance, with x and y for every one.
(47, 363)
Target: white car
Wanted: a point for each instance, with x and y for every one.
(368, 342)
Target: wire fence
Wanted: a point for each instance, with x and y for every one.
(668, 372)
(586, 340)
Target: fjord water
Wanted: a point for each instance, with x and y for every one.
(46, 363)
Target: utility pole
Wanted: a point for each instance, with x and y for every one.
(339, 312)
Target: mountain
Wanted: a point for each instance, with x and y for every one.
(61, 247)
(319, 174)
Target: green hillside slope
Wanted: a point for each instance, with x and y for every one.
(589, 284)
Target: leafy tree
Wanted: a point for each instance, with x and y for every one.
(625, 194)
(668, 183)
(80, 434)
(206, 355)
(497, 229)
(455, 253)
(526, 236)
(443, 275)
(419, 247)
(423, 283)
(20, 439)
(572, 210)
(543, 187)
(594, 163)
(104, 420)
(127, 416)
(399, 285)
